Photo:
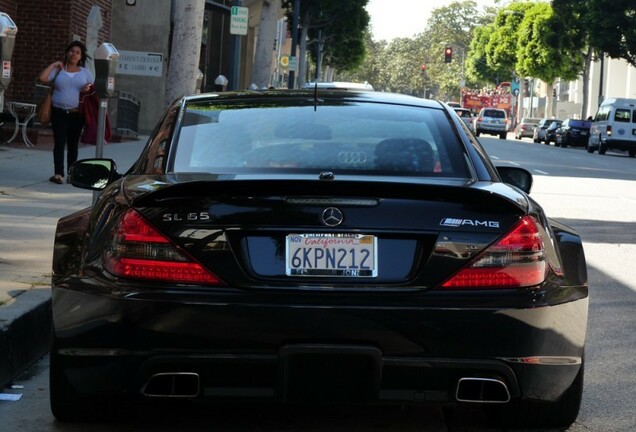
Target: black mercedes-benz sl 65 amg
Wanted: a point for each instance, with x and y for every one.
(310, 247)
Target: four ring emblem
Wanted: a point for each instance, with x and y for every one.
(352, 157)
(332, 216)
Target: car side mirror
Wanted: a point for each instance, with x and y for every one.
(93, 174)
(516, 176)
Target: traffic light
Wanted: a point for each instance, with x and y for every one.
(423, 70)
(448, 54)
(526, 87)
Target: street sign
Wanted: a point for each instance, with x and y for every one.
(239, 17)
(140, 63)
(292, 64)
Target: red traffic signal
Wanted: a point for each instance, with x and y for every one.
(423, 68)
(448, 54)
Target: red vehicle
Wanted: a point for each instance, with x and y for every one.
(498, 98)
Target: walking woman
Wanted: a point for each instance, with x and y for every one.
(69, 78)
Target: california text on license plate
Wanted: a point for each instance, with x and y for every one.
(329, 255)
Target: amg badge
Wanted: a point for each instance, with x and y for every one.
(456, 222)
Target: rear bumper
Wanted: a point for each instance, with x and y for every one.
(620, 144)
(290, 353)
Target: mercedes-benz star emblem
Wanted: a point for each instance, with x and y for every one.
(331, 216)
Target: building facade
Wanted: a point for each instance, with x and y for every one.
(141, 32)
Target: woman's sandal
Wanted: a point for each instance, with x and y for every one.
(57, 179)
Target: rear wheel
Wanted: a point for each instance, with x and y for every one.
(559, 414)
(502, 135)
(632, 153)
(602, 148)
(477, 132)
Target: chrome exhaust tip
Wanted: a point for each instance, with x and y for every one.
(482, 390)
(172, 385)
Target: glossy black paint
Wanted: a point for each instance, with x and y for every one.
(260, 333)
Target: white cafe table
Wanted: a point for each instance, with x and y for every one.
(25, 110)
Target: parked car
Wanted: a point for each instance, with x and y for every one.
(525, 128)
(492, 121)
(310, 247)
(573, 132)
(466, 116)
(614, 127)
(550, 132)
(539, 132)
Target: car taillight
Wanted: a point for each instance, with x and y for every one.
(140, 251)
(609, 130)
(517, 260)
(479, 119)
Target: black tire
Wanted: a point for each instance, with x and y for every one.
(67, 405)
(503, 135)
(477, 132)
(559, 414)
(564, 143)
(601, 148)
(547, 142)
(632, 153)
(589, 148)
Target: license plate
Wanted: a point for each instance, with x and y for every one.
(583, 133)
(331, 255)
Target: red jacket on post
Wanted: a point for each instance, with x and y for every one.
(89, 107)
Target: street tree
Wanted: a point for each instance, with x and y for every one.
(185, 50)
(338, 26)
(453, 26)
(540, 50)
(612, 27)
(598, 28)
(266, 38)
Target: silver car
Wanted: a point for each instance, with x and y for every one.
(492, 121)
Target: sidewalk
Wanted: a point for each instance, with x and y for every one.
(30, 206)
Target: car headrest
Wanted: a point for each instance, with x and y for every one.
(404, 154)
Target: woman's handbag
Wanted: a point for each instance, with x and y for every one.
(43, 108)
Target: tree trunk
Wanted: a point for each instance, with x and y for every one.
(549, 99)
(264, 43)
(183, 67)
(586, 83)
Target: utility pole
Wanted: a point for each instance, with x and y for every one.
(294, 33)
(236, 57)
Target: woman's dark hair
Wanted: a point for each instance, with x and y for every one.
(82, 48)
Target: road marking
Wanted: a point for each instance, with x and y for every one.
(541, 172)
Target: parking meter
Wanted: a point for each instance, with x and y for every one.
(8, 30)
(106, 57)
(220, 83)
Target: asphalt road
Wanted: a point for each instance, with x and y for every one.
(594, 194)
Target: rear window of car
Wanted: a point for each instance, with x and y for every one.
(295, 136)
(494, 113)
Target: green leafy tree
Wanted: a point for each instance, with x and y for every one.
(452, 26)
(612, 27)
(336, 28)
(542, 51)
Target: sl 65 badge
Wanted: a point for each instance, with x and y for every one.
(180, 217)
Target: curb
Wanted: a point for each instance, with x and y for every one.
(25, 333)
